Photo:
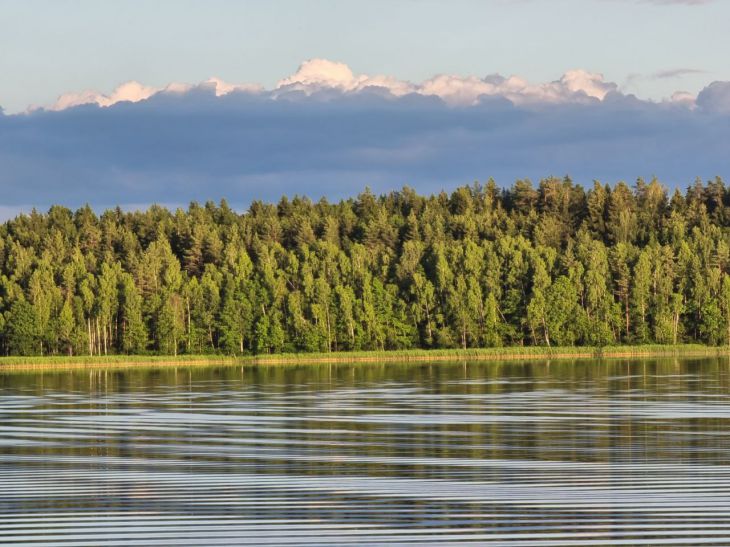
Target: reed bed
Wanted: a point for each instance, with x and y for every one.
(57, 362)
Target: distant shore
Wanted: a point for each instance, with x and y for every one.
(56, 362)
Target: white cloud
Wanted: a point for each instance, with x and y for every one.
(322, 75)
(573, 86)
(134, 92)
(456, 89)
(129, 91)
(683, 98)
(592, 84)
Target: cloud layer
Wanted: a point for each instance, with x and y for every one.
(321, 75)
(327, 131)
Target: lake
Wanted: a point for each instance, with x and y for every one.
(512, 454)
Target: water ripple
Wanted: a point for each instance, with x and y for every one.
(574, 454)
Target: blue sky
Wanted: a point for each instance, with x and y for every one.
(324, 98)
(48, 47)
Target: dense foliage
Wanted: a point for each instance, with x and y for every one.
(481, 267)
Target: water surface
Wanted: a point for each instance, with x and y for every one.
(541, 454)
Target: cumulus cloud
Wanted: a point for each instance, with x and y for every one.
(129, 91)
(715, 98)
(327, 131)
(320, 74)
(134, 92)
(573, 86)
(323, 77)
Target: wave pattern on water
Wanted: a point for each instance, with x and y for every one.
(568, 454)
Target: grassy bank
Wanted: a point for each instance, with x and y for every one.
(486, 354)
(491, 354)
(57, 362)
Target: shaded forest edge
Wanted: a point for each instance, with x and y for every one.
(391, 356)
(529, 268)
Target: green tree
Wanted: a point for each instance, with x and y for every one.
(22, 329)
(133, 335)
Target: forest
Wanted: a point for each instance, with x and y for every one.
(554, 264)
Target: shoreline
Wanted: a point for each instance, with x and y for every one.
(62, 363)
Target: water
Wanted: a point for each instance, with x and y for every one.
(515, 454)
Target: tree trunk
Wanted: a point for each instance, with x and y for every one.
(98, 337)
(545, 330)
(329, 333)
(428, 326)
(88, 329)
(187, 304)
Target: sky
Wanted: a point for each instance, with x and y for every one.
(251, 99)
(49, 47)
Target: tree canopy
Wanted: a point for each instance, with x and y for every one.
(483, 266)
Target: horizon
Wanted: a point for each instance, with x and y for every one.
(504, 193)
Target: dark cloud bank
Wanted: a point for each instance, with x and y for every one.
(174, 148)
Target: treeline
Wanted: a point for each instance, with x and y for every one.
(482, 267)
